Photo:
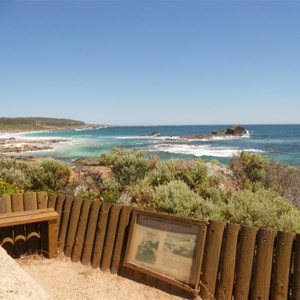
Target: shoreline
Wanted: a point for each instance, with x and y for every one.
(13, 145)
(12, 142)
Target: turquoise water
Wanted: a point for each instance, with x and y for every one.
(278, 142)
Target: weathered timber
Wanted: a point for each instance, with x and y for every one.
(110, 237)
(228, 260)
(244, 263)
(64, 223)
(80, 235)
(32, 230)
(19, 231)
(100, 234)
(123, 225)
(295, 291)
(6, 233)
(47, 217)
(212, 250)
(261, 277)
(42, 200)
(282, 264)
(90, 233)
(73, 225)
(52, 200)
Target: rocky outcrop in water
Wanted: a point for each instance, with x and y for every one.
(234, 131)
(154, 134)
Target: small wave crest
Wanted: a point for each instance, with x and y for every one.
(222, 138)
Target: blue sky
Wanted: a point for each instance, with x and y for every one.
(151, 62)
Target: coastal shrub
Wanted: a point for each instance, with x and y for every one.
(128, 166)
(88, 190)
(16, 177)
(49, 175)
(164, 172)
(110, 189)
(213, 194)
(285, 180)
(125, 198)
(249, 169)
(263, 208)
(45, 174)
(8, 188)
(142, 194)
(176, 197)
(192, 172)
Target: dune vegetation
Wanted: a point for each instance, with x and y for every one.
(37, 123)
(252, 190)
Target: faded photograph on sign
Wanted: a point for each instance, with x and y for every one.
(147, 249)
(179, 245)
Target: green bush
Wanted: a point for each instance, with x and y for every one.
(17, 177)
(249, 169)
(263, 208)
(110, 189)
(128, 166)
(15, 172)
(164, 172)
(8, 188)
(142, 194)
(48, 175)
(45, 174)
(88, 190)
(176, 197)
(192, 172)
(285, 180)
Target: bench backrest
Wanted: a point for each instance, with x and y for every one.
(27, 217)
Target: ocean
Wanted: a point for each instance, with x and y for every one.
(277, 142)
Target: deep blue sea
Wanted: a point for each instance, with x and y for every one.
(277, 142)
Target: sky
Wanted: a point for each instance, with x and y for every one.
(151, 62)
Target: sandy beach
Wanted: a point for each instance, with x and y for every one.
(63, 279)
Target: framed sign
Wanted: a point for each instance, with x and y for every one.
(166, 246)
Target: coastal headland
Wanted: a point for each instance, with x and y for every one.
(19, 125)
(40, 123)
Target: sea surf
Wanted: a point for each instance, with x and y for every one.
(277, 142)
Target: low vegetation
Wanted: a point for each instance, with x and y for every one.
(30, 124)
(252, 190)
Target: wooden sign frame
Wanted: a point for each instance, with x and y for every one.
(167, 247)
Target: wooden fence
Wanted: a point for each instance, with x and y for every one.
(239, 262)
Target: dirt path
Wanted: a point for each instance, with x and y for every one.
(63, 279)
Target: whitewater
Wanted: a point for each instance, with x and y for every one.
(278, 142)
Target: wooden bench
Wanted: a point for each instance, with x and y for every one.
(47, 218)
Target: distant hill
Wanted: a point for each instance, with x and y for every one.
(38, 123)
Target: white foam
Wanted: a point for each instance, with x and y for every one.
(201, 150)
(222, 138)
(141, 137)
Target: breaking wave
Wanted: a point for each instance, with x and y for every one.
(201, 150)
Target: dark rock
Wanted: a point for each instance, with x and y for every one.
(87, 161)
(236, 130)
(231, 131)
(154, 134)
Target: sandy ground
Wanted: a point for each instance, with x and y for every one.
(63, 279)
(15, 284)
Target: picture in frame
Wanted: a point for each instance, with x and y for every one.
(166, 246)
